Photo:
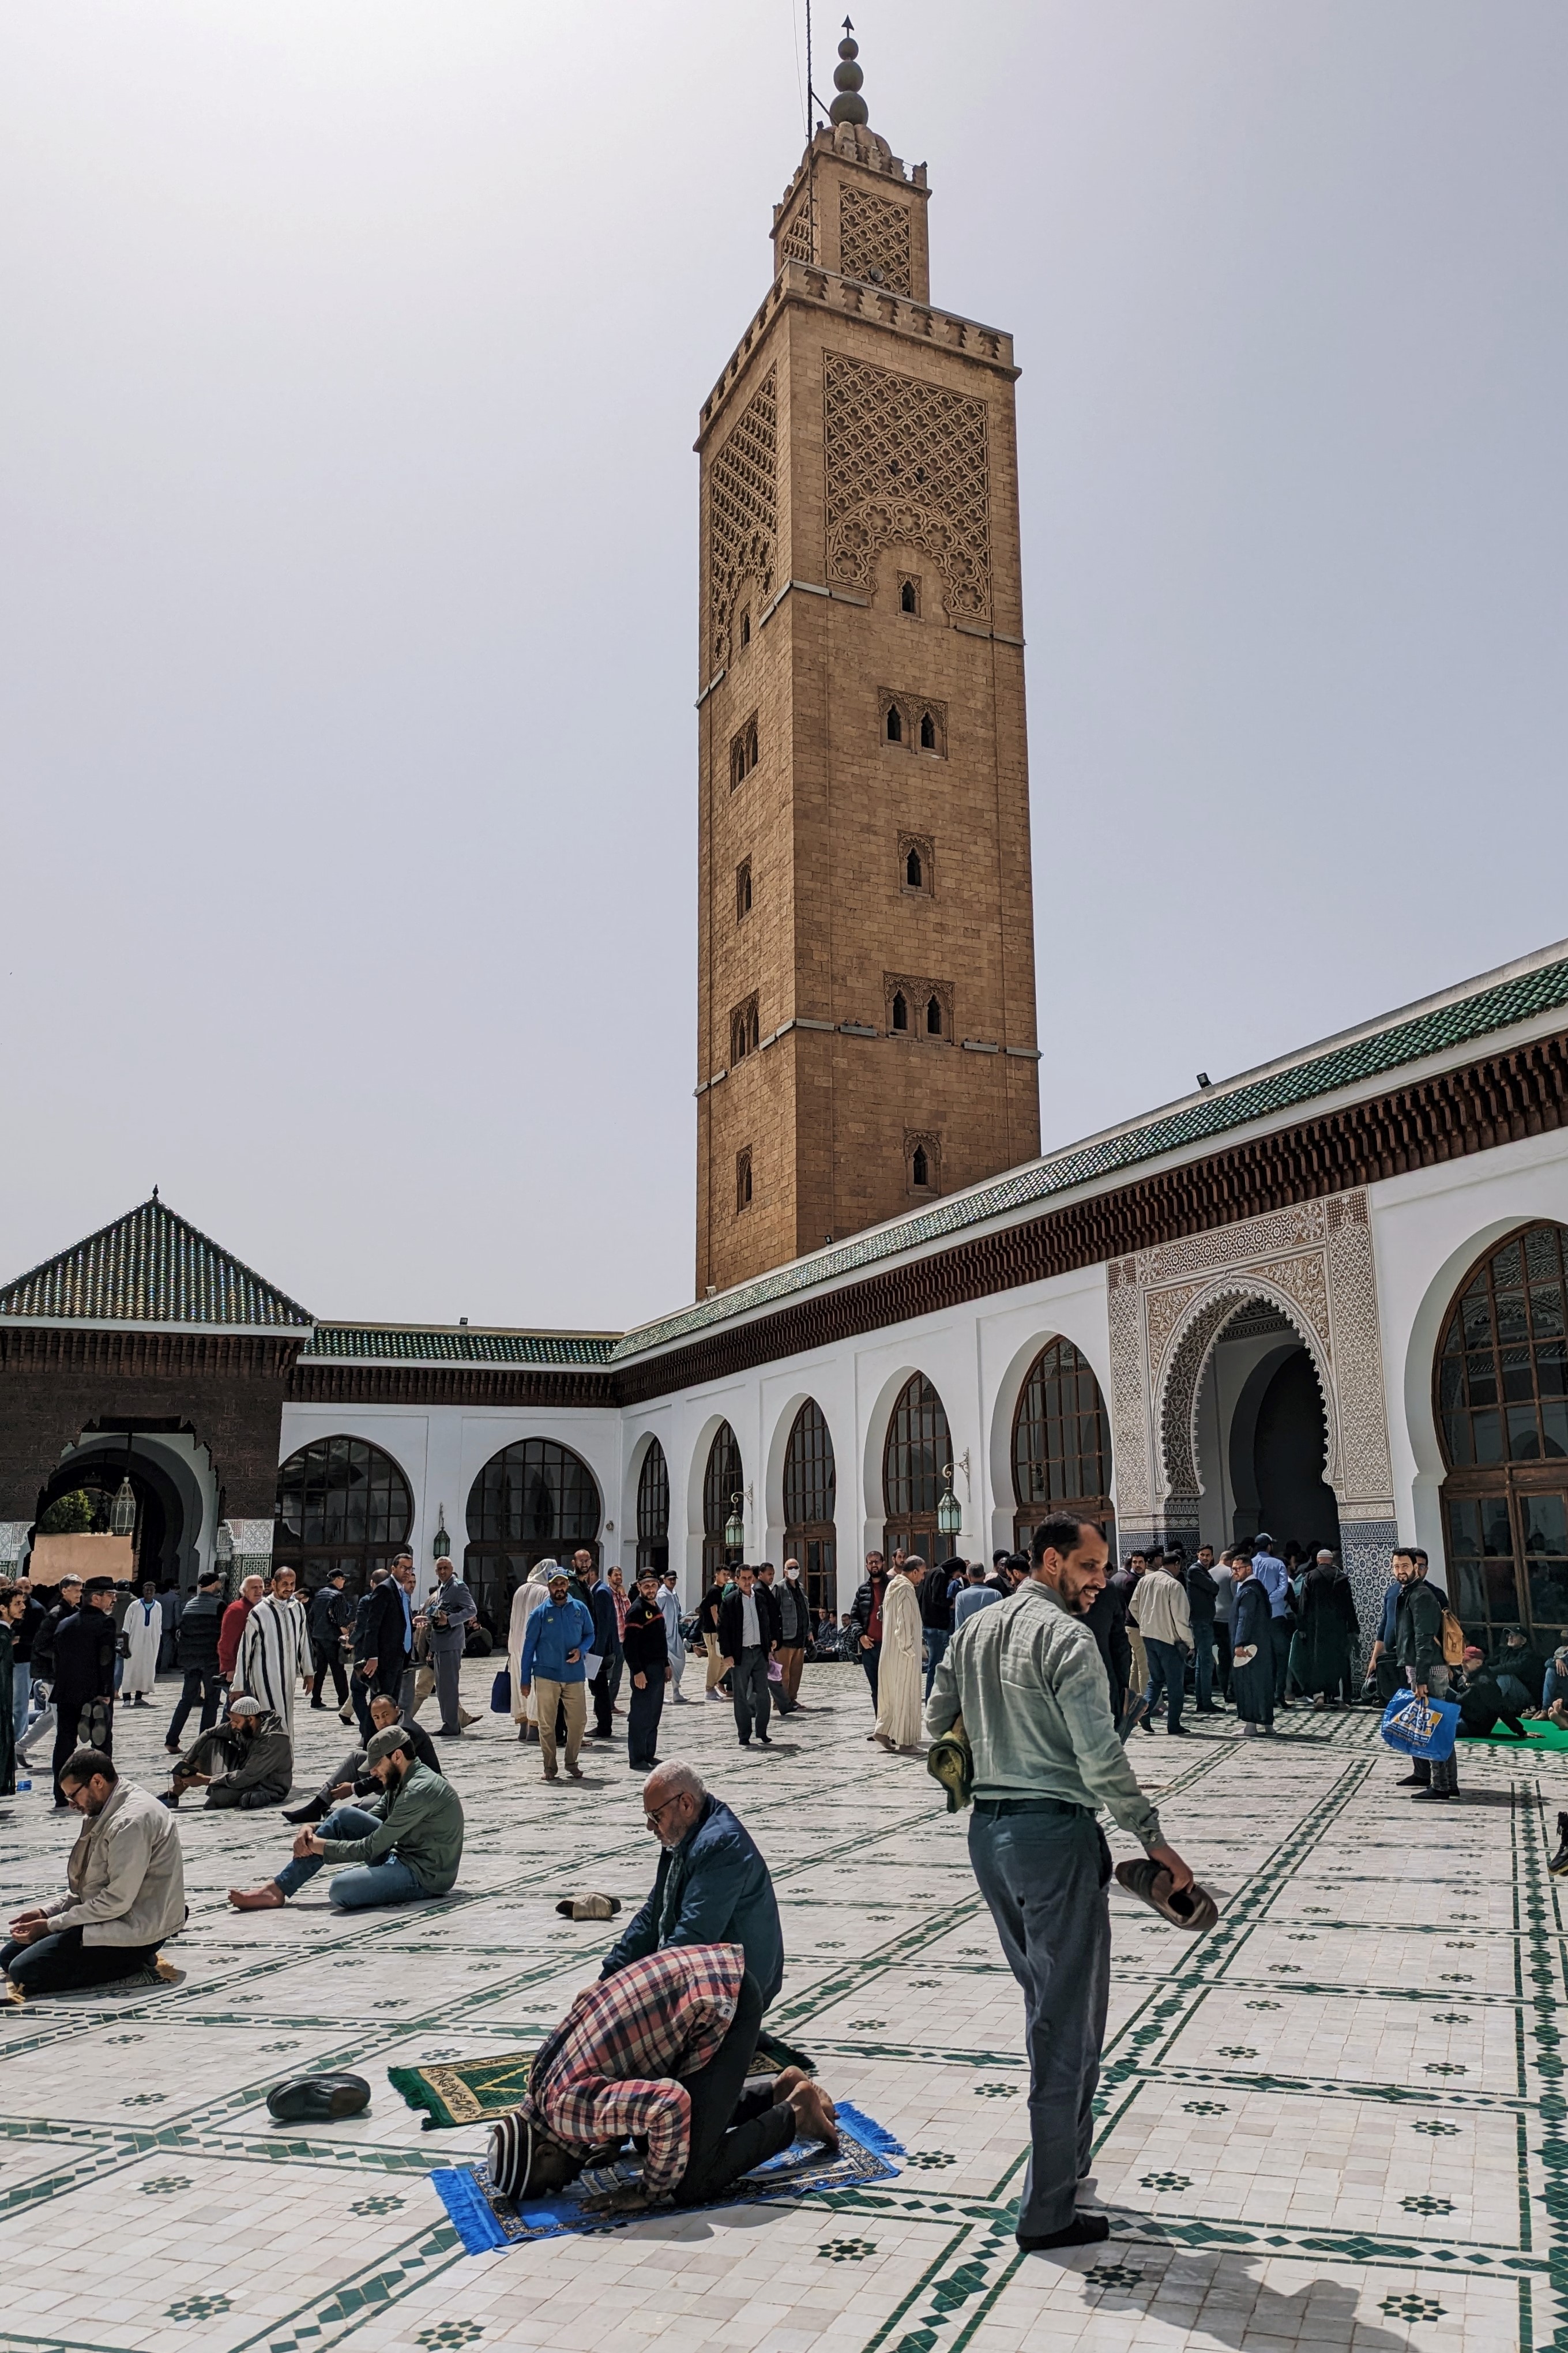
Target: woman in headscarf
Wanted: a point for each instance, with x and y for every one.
(1328, 1630)
(1252, 1653)
(524, 1602)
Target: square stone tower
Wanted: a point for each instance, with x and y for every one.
(866, 1014)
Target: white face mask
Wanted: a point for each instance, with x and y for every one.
(793, 1575)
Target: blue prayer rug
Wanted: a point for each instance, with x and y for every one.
(484, 2219)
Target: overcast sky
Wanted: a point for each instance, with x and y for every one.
(351, 359)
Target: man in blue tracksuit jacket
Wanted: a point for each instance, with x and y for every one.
(712, 1886)
(559, 1636)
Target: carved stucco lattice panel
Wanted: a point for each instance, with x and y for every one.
(1128, 1393)
(874, 236)
(1305, 1280)
(797, 243)
(742, 511)
(1366, 1471)
(1165, 1311)
(906, 461)
(1297, 1228)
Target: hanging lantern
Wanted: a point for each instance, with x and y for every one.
(735, 1526)
(442, 1548)
(949, 1513)
(122, 1511)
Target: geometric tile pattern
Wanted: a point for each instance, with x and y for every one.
(1335, 2122)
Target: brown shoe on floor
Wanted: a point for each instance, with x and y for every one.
(270, 1898)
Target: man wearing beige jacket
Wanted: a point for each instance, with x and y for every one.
(125, 1890)
(1159, 1609)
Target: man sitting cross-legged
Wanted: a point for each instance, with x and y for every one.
(127, 1888)
(406, 1844)
(353, 1778)
(247, 1761)
(658, 2053)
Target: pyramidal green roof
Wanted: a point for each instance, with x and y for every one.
(150, 1266)
(1458, 1016)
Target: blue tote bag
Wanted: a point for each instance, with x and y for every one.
(1421, 1728)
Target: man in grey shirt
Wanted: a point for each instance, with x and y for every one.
(975, 1595)
(449, 1614)
(1027, 1678)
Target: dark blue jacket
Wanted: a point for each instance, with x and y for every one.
(607, 1623)
(711, 1889)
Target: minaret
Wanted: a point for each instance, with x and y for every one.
(866, 1012)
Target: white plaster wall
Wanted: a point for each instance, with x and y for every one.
(1427, 1228)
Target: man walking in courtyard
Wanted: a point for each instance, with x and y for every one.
(1027, 1678)
(555, 1652)
(275, 1649)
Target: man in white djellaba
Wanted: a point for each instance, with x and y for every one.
(140, 1635)
(903, 1640)
(275, 1649)
(524, 1602)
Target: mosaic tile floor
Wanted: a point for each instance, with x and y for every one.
(1337, 2121)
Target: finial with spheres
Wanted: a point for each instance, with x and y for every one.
(848, 106)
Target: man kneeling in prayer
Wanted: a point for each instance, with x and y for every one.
(246, 1761)
(408, 1841)
(126, 1889)
(658, 2053)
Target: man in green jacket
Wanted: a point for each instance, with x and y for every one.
(404, 1845)
(1027, 1678)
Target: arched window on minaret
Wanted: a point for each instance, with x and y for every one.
(914, 872)
(895, 724)
(920, 1166)
(933, 1017)
(900, 1010)
(908, 598)
(928, 731)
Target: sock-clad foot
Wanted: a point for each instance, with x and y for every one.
(257, 1899)
(314, 1809)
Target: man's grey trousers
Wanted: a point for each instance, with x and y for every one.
(1043, 1868)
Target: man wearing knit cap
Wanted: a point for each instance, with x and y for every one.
(404, 1845)
(247, 1761)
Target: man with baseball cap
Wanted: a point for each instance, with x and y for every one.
(404, 1846)
(554, 1666)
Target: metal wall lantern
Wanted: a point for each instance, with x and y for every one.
(735, 1526)
(122, 1511)
(442, 1547)
(949, 1512)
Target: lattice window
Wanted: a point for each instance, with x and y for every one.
(653, 1497)
(918, 1008)
(919, 1447)
(1061, 1433)
(796, 242)
(743, 1030)
(742, 511)
(907, 462)
(874, 239)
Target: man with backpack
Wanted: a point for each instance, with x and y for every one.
(1425, 1630)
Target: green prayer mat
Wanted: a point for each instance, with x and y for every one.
(467, 2091)
(1542, 1736)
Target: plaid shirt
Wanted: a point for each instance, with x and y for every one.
(608, 2072)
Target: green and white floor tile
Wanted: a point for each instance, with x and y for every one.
(1335, 2122)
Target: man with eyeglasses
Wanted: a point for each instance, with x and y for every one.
(712, 1886)
(125, 1890)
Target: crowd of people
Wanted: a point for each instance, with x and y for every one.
(1038, 1670)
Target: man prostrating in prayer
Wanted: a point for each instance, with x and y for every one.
(659, 2054)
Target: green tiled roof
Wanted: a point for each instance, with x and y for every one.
(1453, 1021)
(150, 1266)
(410, 1343)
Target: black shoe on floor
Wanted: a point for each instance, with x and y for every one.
(318, 1703)
(1177, 1731)
(745, 1744)
(314, 1809)
(1413, 1781)
(766, 1738)
(318, 2099)
(1083, 2230)
(1440, 1796)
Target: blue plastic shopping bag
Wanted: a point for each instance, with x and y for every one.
(1421, 1728)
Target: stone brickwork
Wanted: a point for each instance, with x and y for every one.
(896, 484)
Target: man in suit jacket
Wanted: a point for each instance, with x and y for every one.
(447, 1615)
(385, 1645)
